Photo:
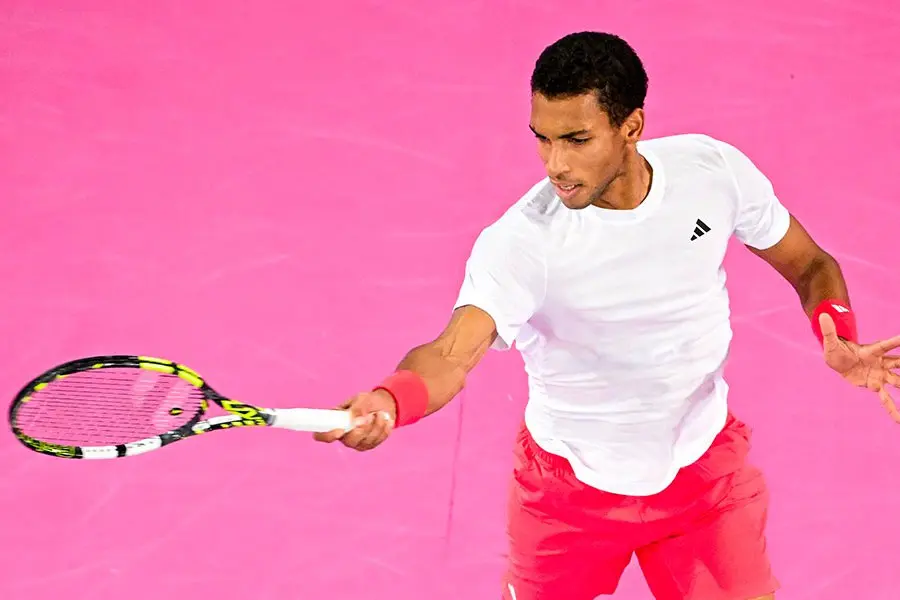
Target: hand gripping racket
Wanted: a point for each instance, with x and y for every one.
(119, 406)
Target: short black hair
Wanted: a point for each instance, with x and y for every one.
(591, 61)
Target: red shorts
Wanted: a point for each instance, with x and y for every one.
(702, 538)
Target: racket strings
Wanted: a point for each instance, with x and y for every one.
(109, 406)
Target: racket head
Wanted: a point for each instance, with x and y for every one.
(109, 407)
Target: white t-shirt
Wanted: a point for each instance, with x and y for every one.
(622, 316)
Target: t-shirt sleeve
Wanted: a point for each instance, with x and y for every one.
(762, 220)
(505, 277)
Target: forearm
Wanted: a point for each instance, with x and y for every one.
(822, 279)
(431, 375)
(822, 289)
(817, 278)
(444, 376)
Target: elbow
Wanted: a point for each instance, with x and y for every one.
(825, 258)
(812, 267)
(821, 277)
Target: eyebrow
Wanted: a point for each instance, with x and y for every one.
(565, 136)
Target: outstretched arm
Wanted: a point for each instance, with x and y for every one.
(823, 293)
(427, 379)
(765, 226)
(502, 288)
(444, 363)
(813, 273)
(773, 234)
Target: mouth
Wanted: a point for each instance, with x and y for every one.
(566, 190)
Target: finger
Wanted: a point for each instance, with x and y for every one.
(379, 432)
(336, 434)
(354, 437)
(329, 436)
(891, 362)
(374, 432)
(893, 379)
(886, 346)
(888, 404)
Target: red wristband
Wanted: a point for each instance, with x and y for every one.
(841, 314)
(410, 394)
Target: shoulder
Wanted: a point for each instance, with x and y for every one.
(519, 233)
(691, 160)
(534, 209)
(690, 151)
(528, 217)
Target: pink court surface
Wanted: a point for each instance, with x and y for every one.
(283, 195)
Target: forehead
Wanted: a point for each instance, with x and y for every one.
(559, 115)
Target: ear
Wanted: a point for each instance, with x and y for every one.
(633, 127)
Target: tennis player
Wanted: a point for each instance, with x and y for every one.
(608, 277)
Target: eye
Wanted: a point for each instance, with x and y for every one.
(579, 141)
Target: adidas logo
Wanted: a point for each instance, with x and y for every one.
(699, 230)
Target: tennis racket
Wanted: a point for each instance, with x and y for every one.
(119, 406)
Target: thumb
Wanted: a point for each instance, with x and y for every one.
(359, 408)
(830, 339)
(361, 411)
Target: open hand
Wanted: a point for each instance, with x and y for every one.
(869, 366)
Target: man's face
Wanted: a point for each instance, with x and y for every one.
(581, 150)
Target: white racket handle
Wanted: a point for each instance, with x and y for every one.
(316, 420)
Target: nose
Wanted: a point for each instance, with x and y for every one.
(555, 162)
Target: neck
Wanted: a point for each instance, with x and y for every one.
(630, 187)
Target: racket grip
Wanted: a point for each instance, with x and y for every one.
(315, 420)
